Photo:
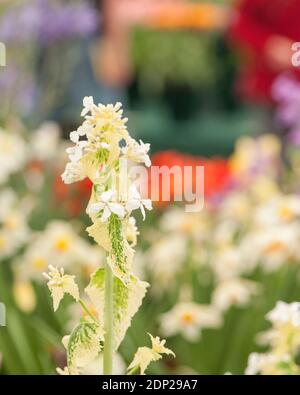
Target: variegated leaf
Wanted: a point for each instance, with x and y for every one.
(99, 232)
(83, 345)
(127, 300)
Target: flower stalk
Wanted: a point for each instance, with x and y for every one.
(108, 322)
(102, 147)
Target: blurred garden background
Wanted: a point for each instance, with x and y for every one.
(207, 83)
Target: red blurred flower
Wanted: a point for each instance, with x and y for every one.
(72, 198)
(216, 173)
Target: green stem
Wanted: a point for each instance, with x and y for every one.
(108, 322)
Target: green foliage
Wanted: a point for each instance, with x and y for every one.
(179, 58)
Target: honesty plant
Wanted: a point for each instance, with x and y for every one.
(101, 146)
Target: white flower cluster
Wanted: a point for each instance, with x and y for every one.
(253, 226)
(101, 142)
(58, 244)
(283, 339)
(100, 134)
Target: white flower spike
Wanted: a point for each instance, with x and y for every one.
(96, 154)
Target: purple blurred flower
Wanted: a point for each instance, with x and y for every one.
(47, 21)
(66, 21)
(17, 89)
(286, 91)
(19, 23)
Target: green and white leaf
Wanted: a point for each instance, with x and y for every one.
(83, 345)
(99, 232)
(127, 300)
(121, 254)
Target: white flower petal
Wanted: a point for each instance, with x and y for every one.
(117, 209)
(107, 196)
(106, 214)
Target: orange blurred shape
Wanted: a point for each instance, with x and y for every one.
(36, 166)
(217, 175)
(72, 199)
(184, 16)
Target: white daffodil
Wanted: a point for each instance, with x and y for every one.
(272, 246)
(189, 318)
(284, 313)
(13, 154)
(137, 152)
(145, 355)
(60, 244)
(59, 284)
(165, 258)
(267, 364)
(283, 337)
(236, 207)
(194, 225)
(107, 205)
(14, 231)
(135, 201)
(279, 210)
(228, 263)
(45, 141)
(233, 292)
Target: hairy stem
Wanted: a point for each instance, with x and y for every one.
(108, 322)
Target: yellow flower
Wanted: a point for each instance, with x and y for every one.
(24, 295)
